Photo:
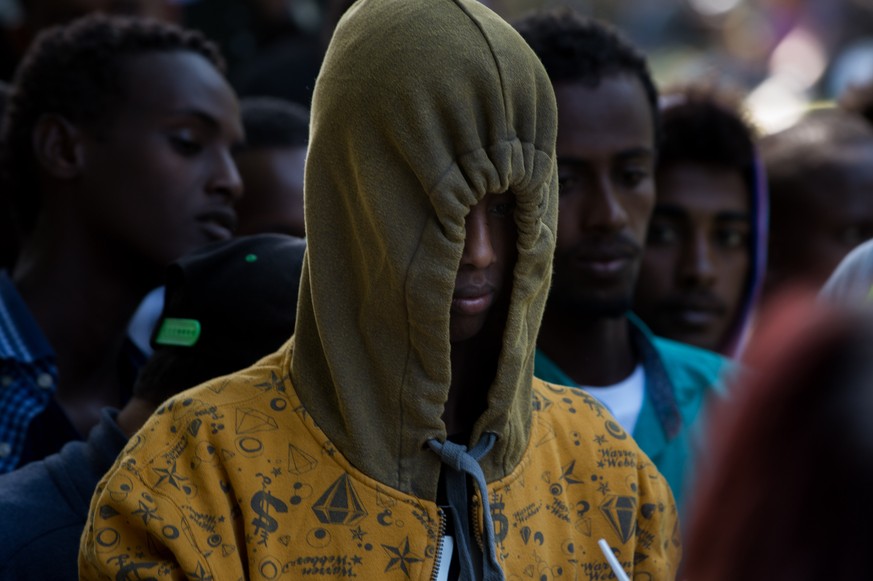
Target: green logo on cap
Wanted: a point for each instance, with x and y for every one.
(178, 332)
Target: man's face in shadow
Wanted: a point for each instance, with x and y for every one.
(159, 178)
(273, 200)
(605, 151)
(484, 278)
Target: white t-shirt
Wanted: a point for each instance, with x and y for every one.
(624, 399)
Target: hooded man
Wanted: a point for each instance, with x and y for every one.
(431, 201)
(706, 245)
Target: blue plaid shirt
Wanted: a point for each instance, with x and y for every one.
(28, 373)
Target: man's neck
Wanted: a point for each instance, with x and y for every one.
(83, 305)
(593, 351)
(473, 371)
(134, 414)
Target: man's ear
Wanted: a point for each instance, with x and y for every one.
(58, 146)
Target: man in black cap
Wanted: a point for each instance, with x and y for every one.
(242, 287)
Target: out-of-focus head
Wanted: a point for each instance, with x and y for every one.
(820, 175)
(607, 128)
(794, 436)
(858, 98)
(227, 305)
(271, 164)
(701, 245)
(41, 14)
(135, 117)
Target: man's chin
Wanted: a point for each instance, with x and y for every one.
(590, 307)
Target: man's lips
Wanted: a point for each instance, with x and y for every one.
(697, 313)
(604, 257)
(219, 223)
(605, 264)
(472, 300)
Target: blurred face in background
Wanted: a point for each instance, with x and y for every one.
(273, 198)
(697, 256)
(817, 226)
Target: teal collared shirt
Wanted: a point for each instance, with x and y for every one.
(679, 380)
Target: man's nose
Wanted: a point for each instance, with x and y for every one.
(603, 210)
(225, 179)
(478, 249)
(697, 267)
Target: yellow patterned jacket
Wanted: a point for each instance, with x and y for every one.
(234, 480)
(319, 461)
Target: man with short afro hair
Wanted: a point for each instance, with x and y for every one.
(118, 140)
(608, 127)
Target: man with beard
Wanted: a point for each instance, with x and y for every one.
(606, 148)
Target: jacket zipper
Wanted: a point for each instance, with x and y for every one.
(439, 550)
(478, 520)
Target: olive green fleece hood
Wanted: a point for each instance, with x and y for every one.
(422, 107)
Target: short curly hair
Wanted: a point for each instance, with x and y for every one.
(583, 50)
(75, 71)
(706, 125)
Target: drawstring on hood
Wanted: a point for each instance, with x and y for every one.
(460, 464)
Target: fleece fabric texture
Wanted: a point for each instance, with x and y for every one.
(420, 110)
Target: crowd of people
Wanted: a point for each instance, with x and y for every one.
(489, 303)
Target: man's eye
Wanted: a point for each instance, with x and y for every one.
(731, 238)
(662, 234)
(185, 144)
(503, 209)
(632, 177)
(567, 184)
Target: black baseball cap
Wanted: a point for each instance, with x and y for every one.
(229, 304)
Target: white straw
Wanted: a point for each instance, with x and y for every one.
(613, 562)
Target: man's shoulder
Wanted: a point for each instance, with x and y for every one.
(548, 371)
(268, 375)
(217, 410)
(21, 338)
(573, 413)
(687, 364)
(587, 432)
(35, 508)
